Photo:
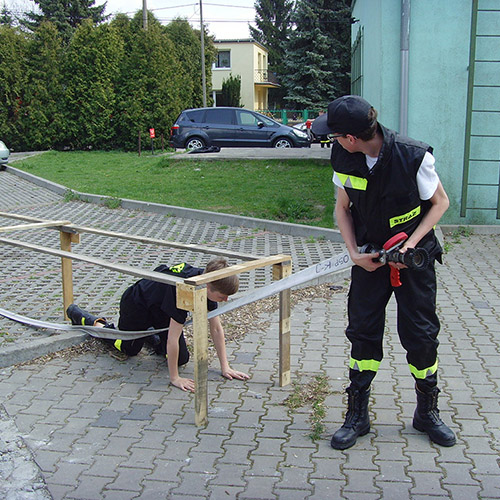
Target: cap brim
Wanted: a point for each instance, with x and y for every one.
(320, 126)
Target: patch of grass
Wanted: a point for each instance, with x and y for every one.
(312, 394)
(461, 231)
(70, 195)
(113, 202)
(251, 188)
(456, 237)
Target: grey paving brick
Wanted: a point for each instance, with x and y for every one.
(226, 475)
(89, 487)
(109, 418)
(259, 488)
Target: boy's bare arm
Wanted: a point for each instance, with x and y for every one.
(174, 333)
(217, 334)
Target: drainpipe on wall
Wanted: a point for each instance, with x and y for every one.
(405, 53)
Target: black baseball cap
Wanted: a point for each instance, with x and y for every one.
(346, 115)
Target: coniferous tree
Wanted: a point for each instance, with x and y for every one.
(6, 16)
(318, 53)
(231, 91)
(66, 15)
(273, 21)
(13, 52)
(187, 46)
(91, 75)
(150, 93)
(42, 116)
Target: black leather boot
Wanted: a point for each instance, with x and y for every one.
(80, 317)
(357, 420)
(426, 418)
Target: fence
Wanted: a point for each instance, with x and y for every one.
(191, 292)
(290, 116)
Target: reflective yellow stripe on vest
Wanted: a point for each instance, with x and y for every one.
(422, 374)
(362, 365)
(350, 181)
(400, 219)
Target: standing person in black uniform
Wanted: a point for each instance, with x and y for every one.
(387, 184)
(151, 304)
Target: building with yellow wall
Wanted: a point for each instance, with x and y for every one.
(247, 59)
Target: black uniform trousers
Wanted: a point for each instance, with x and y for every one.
(417, 322)
(133, 318)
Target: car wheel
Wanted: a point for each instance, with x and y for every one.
(282, 142)
(195, 143)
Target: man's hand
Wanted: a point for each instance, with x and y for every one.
(186, 384)
(229, 373)
(365, 260)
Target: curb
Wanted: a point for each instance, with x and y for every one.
(27, 351)
(285, 228)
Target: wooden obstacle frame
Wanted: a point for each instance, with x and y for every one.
(191, 292)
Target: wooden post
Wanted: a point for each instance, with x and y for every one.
(194, 299)
(67, 269)
(282, 271)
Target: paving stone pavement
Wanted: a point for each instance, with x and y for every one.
(88, 426)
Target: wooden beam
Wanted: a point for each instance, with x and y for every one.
(205, 278)
(34, 225)
(282, 271)
(140, 239)
(194, 299)
(67, 272)
(121, 268)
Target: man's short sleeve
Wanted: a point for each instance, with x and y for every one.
(427, 177)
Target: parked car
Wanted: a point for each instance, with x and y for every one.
(232, 127)
(4, 154)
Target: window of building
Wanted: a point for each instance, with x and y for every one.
(223, 59)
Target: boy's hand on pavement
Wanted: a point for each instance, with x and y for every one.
(229, 373)
(186, 384)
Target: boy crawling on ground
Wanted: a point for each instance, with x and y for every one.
(150, 304)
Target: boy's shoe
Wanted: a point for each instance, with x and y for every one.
(79, 316)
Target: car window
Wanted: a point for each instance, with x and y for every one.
(196, 116)
(267, 121)
(246, 118)
(220, 116)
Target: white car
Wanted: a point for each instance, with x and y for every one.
(4, 154)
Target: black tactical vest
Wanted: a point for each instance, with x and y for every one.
(384, 201)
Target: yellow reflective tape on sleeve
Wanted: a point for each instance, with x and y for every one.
(118, 344)
(350, 181)
(422, 374)
(400, 219)
(362, 365)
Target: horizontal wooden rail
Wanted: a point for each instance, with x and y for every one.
(203, 279)
(35, 225)
(121, 268)
(139, 239)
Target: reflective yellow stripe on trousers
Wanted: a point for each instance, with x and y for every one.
(422, 374)
(362, 365)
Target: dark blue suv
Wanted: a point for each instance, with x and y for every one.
(232, 127)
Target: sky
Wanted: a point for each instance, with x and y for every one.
(225, 19)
